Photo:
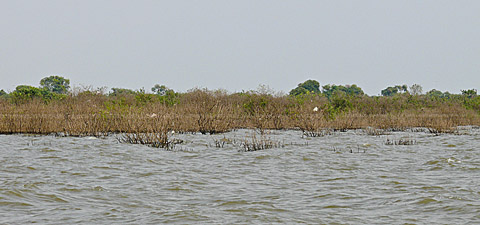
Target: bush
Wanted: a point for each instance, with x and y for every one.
(25, 93)
(3, 93)
(121, 92)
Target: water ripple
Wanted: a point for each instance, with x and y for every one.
(345, 178)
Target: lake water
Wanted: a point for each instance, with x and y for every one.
(345, 178)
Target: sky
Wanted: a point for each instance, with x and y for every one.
(239, 45)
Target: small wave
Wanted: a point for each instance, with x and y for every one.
(51, 198)
(453, 160)
(70, 189)
(178, 189)
(14, 204)
(335, 207)
(234, 202)
(426, 201)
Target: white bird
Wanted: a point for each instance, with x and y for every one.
(315, 109)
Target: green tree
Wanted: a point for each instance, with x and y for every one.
(351, 90)
(55, 84)
(434, 93)
(121, 91)
(160, 89)
(309, 86)
(469, 93)
(416, 89)
(391, 91)
(3, 93)
(25, 92)
(354, 90)
(438, 94)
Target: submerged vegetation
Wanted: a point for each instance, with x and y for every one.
(150, 118)
(401, 141)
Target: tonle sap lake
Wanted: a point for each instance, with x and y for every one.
(345, 178)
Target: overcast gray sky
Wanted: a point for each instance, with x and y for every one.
(237, 45)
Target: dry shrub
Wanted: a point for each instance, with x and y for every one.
(209, 112)
(401, 141)
(254, 143)
(157, 139)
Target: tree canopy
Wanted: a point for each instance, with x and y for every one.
(26, 91)
(438, 94)
(331, 90)
(160, 89)
(121, 91)
(391, 91)
(56, 84)
(309, 86)
(416, 89)
(469, 93)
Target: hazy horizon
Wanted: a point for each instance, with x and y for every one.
(238, 45)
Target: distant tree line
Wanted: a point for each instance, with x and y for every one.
(313, 87)
(58, 87)
(329, 90)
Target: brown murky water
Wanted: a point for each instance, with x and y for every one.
(346, 178)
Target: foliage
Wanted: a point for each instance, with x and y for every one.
(160, 89)
(121, 91)
(391, 91)
(301, 99)
(469, 93)
(92, 112)
(438, 94)
(24, 93)
(352, 90)
(47, 95)
(3, 93)
(255, 103)
(143, 98)
(471, 99)
(416, 89)
(170, 98)
(472, 103)
(55, 84)
(339, 103)
(263, 89)
(165, 95)
(309, 86)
